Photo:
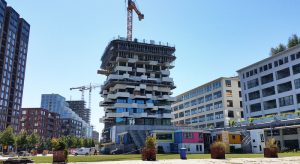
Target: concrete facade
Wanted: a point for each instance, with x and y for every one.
(137, 90)
(211, 105)
(272, 86)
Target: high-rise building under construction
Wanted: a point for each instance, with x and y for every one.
(137, 91)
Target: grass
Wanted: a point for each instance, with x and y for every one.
(99, 158)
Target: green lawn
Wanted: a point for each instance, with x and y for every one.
(99, 158)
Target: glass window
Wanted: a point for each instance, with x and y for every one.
(296, 69)
(230, 114)
(228, 83)
(252, 83)
(229, 93)
(285, 101)
(284, 87)
(271, 104)
(297, 83)
(268, 91)
(283, 73)
(229, 103)
(255, 107)
(267, 78)
(254, 95)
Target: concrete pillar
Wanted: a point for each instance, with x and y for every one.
(298, 130)
(281, 138)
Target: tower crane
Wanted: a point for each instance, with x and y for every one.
(130, 7)
(82, 89)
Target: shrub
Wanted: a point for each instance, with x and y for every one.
(271, 143)
(149, 151)
(217, 150)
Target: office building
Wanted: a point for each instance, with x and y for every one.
(40, 121)
(71, 123)
(212, 105)
(271, 86)
(79, 108)
(137, 90)
(14, 37)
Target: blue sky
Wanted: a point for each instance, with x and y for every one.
(213, 38)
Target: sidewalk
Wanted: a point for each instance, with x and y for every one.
(285, 160)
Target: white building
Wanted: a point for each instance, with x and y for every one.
(271, 86)
(213, 104)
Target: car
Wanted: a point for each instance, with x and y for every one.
(83, 151)
(23, 153)
(116, 151)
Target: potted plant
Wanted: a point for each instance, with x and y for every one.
(60, 154)
(217, 150)
(271, 150)
(149, 151)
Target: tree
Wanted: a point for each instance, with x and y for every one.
(21, 140)
(293, 41)
(33, 140)
(278, 49)
(7, 137)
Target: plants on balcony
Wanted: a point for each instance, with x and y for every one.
(271, 150)
(217, 150)
(60, 153)
(149, 151)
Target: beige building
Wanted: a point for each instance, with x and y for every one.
(213, 104)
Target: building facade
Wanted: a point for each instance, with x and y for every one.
(14, 35)
(79, 108)
(137, 90)
(71, 123)
(212, 105)
(38, 120)
(272, 86)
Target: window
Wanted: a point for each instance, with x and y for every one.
(200, 135)
(239, 84)
(229, 103)
(298, 98)
(296, 69)
(209, 107)
(240, 94)
(297, 83)
(283, 73)
(230, 114)
(229, 93)
(217, 94)
(164, 136)
(219, 115)
(284, 87)
(228, 83)
(271, 104)
(289, 131)
(242, 114)
(268, 91)
(218, 105)
(208, 97)
(255, 107)
(252, 83)
(285, 101)
(241, 104)
(209, 117)
(187, 135)
(267, 78)
(254, 95)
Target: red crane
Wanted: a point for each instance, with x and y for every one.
(132, 6)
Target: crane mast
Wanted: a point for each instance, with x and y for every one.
(84, 88)
(132, 6)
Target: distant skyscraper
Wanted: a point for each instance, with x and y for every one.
(79, 108)
(14, 46)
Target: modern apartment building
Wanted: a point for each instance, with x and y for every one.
(137, 91)
(271, 86)
(71, 123)
(96, 136)
(38, 120)
(14, 37)
(79, 108)
(210, 105)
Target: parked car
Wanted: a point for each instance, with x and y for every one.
(116, 151)
(104, 150)
(23, 153)
(83, 151)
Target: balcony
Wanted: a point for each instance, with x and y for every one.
(124, 114)
(123, 68)
(142, 70)
(165, 72)
(118, 94)
(139, 115)
(167, 79)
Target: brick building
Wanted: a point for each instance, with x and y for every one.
(38, 120)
